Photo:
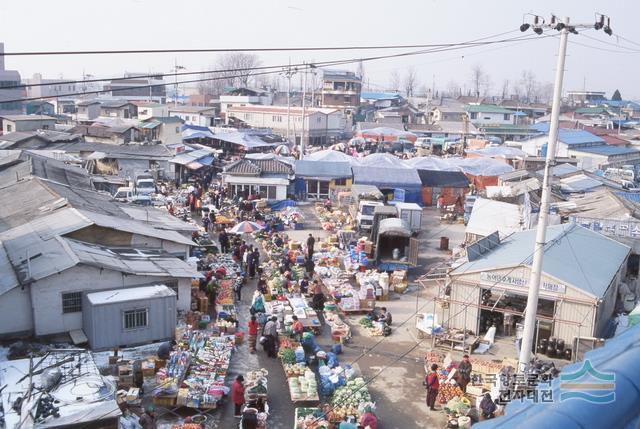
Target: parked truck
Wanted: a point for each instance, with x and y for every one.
(412, 214)
(395, 247)
(364, 200)
(145, 184)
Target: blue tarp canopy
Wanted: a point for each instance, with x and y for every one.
(280, 205)
(387, 178)
(618, 356)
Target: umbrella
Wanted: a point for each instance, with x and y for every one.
(245, 227)
(282, 150)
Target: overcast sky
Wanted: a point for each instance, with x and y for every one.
(39, 25)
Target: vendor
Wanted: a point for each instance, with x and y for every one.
(464, 373)
(297, 328)
(348, 423)
(385, 316)
(310, 243)
(165, 349)
(369, 419)
(488, 407)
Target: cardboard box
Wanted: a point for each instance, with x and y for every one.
(125, 370)
(367, 304)
(148, 368)
(133, 394)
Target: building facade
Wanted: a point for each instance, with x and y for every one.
(340, 90)
(8, 79)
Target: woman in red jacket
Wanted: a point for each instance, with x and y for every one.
(237, 395)
(433, 385)
(253, 326)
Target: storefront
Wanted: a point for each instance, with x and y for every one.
(581, 274)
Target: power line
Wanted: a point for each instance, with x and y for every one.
(228, 50)
(321, 64)
(170, 74)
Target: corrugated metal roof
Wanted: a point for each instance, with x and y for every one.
(133, 262)
(248, 141)
(8, 279)
(487, 108)
(607, 150)
(306, 168)
(129, 294)
(380, 95)
(188, 157)
(259, 166)
(619, 356)
(579, 183)
(573, 254)
(560, 170)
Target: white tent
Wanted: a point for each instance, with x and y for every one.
(489, 216)
(330, 156)
(383, 160)
(432, 163)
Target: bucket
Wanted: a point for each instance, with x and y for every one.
(464, 422)
(444, 243)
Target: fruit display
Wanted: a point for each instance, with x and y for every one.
(294, 370)
(448, 392)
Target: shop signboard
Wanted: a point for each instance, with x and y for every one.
(609, 227)
(505, 279)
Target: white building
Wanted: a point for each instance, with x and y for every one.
(581, 273)
(194, 115)
(51, 87)
(150, 110)
(488, 114)
(269, 176)
(42, 294)
(244, 97)
(320, 125)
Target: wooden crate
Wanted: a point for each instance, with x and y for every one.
(164, 401)
(148, 368)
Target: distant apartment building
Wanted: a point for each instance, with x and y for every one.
(37, 86)
(585, 98)
(321, 126)
(133, 88)
(9, 78)
(340, 90)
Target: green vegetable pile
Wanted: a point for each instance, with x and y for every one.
(366, 322)
(288, 356)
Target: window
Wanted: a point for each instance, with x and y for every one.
(507, 117)
(474, 115)
(177, 130)
(271, 194)
(9, 128)
(133, 319)
(71, 302)
(45, 127)
(341, 182)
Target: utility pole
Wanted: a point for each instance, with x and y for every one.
(175, 71)
(538, 255)
(288, 72)
(304, 96)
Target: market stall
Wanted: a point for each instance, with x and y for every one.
(310, 418)
(301, 379)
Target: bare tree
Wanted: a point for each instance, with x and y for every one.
(544, 94)
(394, 81)
(505, 89)
(214, 85)
(529, 85)
(238, 67)
(410, 81)
(453, 89)
(478, 80)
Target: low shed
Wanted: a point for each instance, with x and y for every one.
(126, 317)
(449, 184)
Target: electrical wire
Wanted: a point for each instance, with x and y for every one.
(173, 74)
(605, 42)
(307, 65)
(223, 50)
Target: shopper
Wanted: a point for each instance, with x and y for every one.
(369, 419)
(148, 418)
(252, 327)
(385, 316)
(310, 243)
(237, 395)
(270, 333)
(464, 373)
(433, 385)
